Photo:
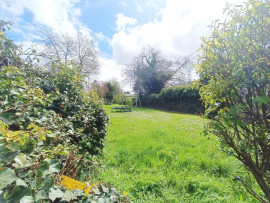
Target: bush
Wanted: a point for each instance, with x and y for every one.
(180, 98)
(235, 70)
(49, 126)
(128, 101)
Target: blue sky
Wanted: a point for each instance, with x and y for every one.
(121, 28)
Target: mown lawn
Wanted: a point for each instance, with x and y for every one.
(158, 156)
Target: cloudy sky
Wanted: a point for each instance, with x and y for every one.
(121, 28)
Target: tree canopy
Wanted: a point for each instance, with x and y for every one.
(150, 71)
(235, 69)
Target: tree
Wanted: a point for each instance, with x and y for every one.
(235, 68)
(114, 93)
(8, 49)
(151, 71)
(80, 50)
(100, 88)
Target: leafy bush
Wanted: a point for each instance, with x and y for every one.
(49, 126)
(235, 70)
(180, 98)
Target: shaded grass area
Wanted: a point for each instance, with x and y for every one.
(158, 156)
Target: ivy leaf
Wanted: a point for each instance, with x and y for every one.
(72, 195)
(54, 166)
(55, 193)
(13, 146)
(17, 194)
(27, 199)
(20, 158)
(41, 195)
(7, 176)
(20, 182)
(45, 183)
(43, 168)
(7, 155)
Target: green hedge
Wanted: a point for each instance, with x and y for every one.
(179, 98)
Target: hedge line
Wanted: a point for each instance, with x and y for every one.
(179, 98)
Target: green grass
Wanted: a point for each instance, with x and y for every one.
(158, 156)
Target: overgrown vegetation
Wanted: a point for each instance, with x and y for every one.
(158, 156)
(49, 127)
(235, 70)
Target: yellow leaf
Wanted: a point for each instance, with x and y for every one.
(72, 184)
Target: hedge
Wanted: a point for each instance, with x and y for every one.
(184, 99)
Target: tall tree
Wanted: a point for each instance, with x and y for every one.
(63, 48)
(150, 71)
(235, 66)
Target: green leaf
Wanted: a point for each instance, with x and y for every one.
(17, 194)
(45, 183)
(54, 166)
(27, 199)
(41, 195)
(13, 146)
(7, 176)
(2, 199)
(20, 158)
(20, 182)
(55, 193)
(43, 168)
(72, 195)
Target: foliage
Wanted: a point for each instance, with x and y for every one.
(8, 50)
(114, 94)
(179, 98)
(48, 126)
(158, 156)
(151, 71)
(100, 88)
(235, 65)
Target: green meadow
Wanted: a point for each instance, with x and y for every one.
(157, 156)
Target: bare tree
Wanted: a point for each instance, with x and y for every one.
(79, 50)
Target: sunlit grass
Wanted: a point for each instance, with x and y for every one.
(160, 156)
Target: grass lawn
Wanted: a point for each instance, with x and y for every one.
(158, 156)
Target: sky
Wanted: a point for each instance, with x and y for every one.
(120, 28)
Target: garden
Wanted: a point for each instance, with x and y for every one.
(205, 140)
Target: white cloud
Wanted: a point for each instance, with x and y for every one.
(123, 21)
(60, 15)
(109, 69)
(178, 31)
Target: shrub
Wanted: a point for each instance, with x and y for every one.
(49, 126)
(235, 65)
(180, 98)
